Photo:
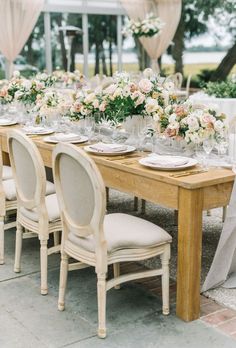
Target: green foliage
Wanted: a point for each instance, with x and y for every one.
(224, 89)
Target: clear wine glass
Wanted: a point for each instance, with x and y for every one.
(208, 146)
(89, 126)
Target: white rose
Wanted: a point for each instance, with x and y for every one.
(147, 73)
(168, 109)
(16, 74)
(170, 86)
(18, 94)
(126, 91)
(145, 85)
(117, 92)
(192, 122)
(43, 77)
(89, 98)
(111, 89)
(174, 125)
(219, 126)
(194, 137)
(156, 117)
(27, 84)
(151, 105)
(172, 118)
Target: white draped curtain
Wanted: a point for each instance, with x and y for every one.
(224, 263)
(17, 20)
(169, 11)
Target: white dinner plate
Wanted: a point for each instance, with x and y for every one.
(37, 131)
(191, 162)
(128, 149)
(7, 122)
(81, 139)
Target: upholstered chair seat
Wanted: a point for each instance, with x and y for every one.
(9, 189)
(51, 206)
(123, 231)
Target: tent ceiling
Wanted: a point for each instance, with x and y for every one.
(85, 6)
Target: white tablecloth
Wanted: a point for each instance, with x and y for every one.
(225, 105)
(223, 268)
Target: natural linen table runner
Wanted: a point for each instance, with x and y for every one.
(224, 262)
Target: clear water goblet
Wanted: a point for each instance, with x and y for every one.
(208, 146)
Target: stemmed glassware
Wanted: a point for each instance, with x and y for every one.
(89, 126)
(208, 146)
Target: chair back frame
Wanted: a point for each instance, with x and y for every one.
(38, 199)
(95, 226)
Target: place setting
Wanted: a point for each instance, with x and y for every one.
(37, 130)
(112, 149)
(71, 138)
(6, 121)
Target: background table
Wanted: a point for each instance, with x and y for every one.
(225, 105)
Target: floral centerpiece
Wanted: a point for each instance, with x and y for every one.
(147, 27)
(51, 104)
(190, 123)
(25, 90)
(223, 89)
(69, 78)
(124, 98)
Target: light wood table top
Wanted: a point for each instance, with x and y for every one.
(190, 195)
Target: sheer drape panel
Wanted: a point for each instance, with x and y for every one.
(17, 20)
(224, 263)
(169, 12)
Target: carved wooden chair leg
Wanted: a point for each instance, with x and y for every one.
(224, 213)
(63, 282)
(135, 203)
(116, 270)
(165, 280)
(101, 293)
(56, 238)
(18, 248)
(107, 194)
(44, 266)
(176, 216)
(1, 240)
(143, 206)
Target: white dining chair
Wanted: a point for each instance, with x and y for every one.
(37, 207)
(7, 203)
(96, 239)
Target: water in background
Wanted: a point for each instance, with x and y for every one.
(189, 57)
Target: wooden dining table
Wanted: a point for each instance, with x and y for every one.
(190, 195)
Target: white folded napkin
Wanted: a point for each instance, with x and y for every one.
(101, 147)
(32, 129)
(65, 137)
(166, 161)
(5, 120)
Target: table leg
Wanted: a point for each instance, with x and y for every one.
(189, 253)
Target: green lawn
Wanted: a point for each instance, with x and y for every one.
(192, 69)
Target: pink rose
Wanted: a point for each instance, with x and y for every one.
(207, 120)
(145, 85)
(3, 92)
(102, 106)
(171, 132)
(179, 110)
(138, 97)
